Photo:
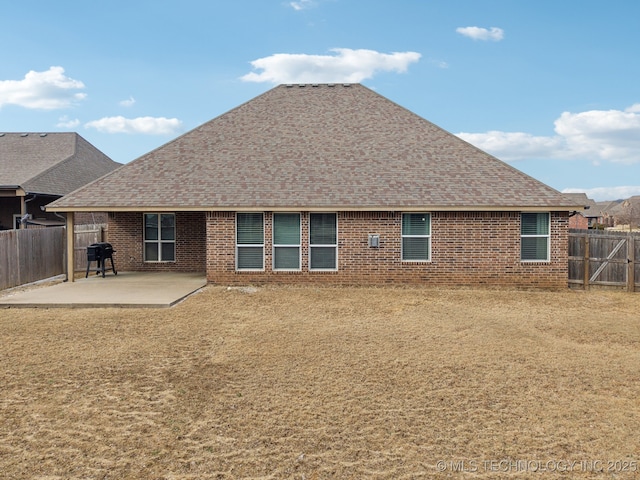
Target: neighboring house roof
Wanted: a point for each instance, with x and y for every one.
(50, 163)
(582, 199)
(323, 147)
(625, 208)
(604, 208)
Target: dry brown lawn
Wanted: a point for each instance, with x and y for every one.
(315, 383)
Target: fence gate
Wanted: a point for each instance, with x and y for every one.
(604, 259)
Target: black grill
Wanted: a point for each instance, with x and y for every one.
(100, 253)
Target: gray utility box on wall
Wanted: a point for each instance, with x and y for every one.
(374, 240)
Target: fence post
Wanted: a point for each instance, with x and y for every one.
(18, 257)
(586, 262)
(70, 246)
(631, 264)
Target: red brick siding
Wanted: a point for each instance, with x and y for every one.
(468, 248)
(85, 218)
(578, 221)
(221, 238)
(126, 236)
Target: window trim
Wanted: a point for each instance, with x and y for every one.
(335, 245)
(547, 236)
(247, 245)
(403, 236)
(275, 245)
(159, 241)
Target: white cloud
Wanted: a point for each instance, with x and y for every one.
(66, 122)
(600, 194)
(595, 135)
(511, 146)
(610, 135)
(48, 90)
(128, 102)
(347, 66)
(494, 34)
(302, 4)
(144, 125)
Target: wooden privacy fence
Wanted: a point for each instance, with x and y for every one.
(30, 255)
(604, 259)
(85, 235)
(34, 254)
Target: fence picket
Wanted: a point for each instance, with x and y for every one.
(631, 260)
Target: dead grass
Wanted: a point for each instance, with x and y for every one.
(325, 383)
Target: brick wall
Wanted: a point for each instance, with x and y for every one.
(468, 248)
(86, 218)
(125, 234)
(578, 221)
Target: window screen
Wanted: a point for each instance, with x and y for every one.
(250, 241)
(534, 237)
(286, 241)
(323, 241)
(416, 236)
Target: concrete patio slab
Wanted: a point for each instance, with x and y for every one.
(127, 289)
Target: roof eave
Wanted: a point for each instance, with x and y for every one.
(332, 208)
(17, 190)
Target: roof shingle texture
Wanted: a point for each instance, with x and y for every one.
(315, 147)
(52, 163)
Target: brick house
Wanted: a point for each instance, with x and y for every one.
(626, 212)
(38, 168)
(330, 184)
(588, 218)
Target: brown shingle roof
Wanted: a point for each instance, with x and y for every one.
(582, 199)
(604, 208)
(316, 147)
(51, 163)
(623, 207)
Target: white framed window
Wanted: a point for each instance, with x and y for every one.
(250, 241)
(159, 237)
(286, 241)
(534, 237)
(416, 237)
(323, 241)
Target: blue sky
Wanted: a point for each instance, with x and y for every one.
(552, 87)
